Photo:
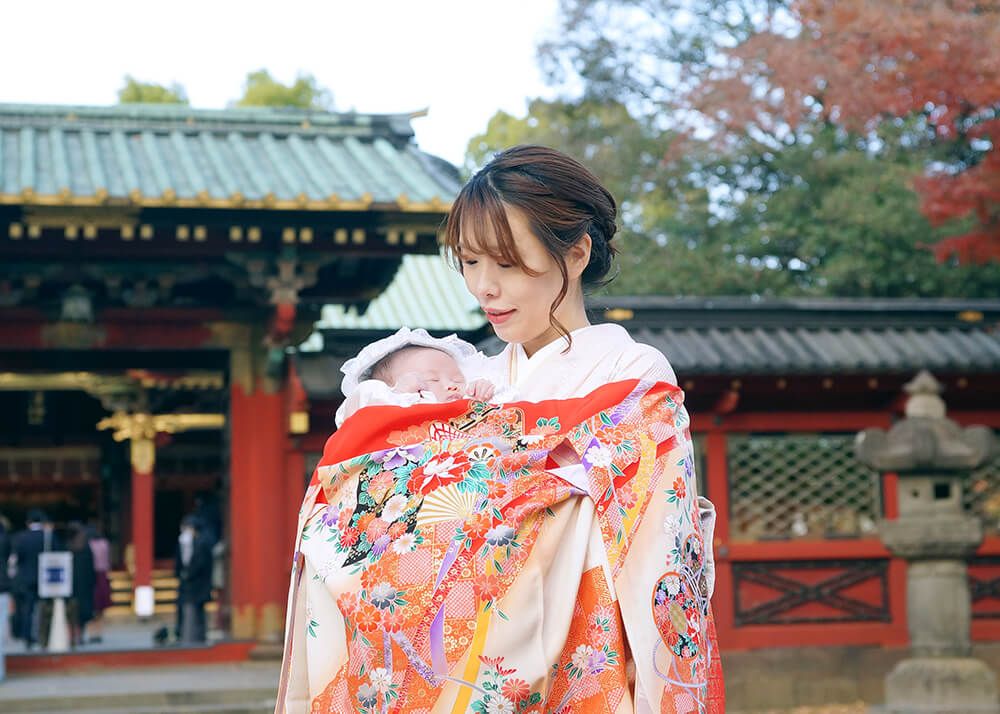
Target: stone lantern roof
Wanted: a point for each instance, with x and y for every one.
(926, 439)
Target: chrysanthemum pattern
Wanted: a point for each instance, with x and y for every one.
(413, 589)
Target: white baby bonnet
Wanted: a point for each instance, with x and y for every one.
(359, 368)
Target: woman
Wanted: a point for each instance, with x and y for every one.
(82, 602)
(193, 567)
(541, 556)
(100, 549)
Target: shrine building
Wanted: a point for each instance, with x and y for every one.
(160, 263)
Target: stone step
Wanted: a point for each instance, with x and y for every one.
(216, 701)
(264, 706)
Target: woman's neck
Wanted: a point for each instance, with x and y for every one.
(571, 320)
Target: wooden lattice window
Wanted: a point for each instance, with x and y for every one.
(981, 494)
(700, 464)
(53, 464)
(801, 485)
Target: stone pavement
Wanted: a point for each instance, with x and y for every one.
(217, 689)
(249, 688)
(857, 708)
(242, 687)
(122, 633)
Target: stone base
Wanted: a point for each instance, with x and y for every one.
(263, 651)
(941, 685)
(941, 536)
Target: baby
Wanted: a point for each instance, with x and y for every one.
(411, 367)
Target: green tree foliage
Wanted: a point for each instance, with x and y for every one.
(648, 54)
(829, 214)
(625, 151)
(262, 90)
(782, 210)
(136, 92)
(835, 214)
(669, 236)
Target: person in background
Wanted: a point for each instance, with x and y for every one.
(82, 609)
(4, 591)
(101, 551)
(194, 570)
(219, 583)
(5, 550)
(206, 510)
(25, 549)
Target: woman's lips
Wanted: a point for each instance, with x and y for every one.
(498, 317)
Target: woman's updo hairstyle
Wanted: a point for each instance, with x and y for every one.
(560, 197)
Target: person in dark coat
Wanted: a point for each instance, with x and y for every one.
(5, 545)
(84, 578)
(26, 546)
(5, 608)
(206, 510)
(100, 549)
(194, 571)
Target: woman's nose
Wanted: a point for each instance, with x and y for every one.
(485, 284)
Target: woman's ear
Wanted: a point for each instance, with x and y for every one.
(578, 257)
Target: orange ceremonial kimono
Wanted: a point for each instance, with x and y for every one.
(539, 555)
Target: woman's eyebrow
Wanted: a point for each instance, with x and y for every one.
(466, 249)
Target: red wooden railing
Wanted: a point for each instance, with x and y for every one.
(815, 585)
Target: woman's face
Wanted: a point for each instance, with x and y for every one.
(517, 304)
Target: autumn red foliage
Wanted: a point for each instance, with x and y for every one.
(860, 62)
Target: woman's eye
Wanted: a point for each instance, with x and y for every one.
(469, 262)
(504, 265)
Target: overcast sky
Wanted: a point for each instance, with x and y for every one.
(461, 59)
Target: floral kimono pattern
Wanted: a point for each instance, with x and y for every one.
(420, 521)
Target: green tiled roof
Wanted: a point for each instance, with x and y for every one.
(426, 292)
(744, 336)
(173, 155)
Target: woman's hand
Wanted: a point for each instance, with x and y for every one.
(480, 389)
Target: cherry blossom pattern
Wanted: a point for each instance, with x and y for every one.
(588, 660)
(677, 491)
(378, 693)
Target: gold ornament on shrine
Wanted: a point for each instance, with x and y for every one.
(141, 428)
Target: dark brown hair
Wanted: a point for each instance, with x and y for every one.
(562, 201)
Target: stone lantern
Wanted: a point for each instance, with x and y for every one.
(932, 456)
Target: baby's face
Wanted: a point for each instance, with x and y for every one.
(428, 369)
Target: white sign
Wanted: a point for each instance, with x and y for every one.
(55, 574)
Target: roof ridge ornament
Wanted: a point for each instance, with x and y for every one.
(925, 397)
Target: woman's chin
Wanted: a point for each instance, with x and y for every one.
(508, 334)
(501, 331)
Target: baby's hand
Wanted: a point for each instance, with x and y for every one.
(480, 389)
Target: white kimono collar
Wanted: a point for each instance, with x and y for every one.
(521, 367)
